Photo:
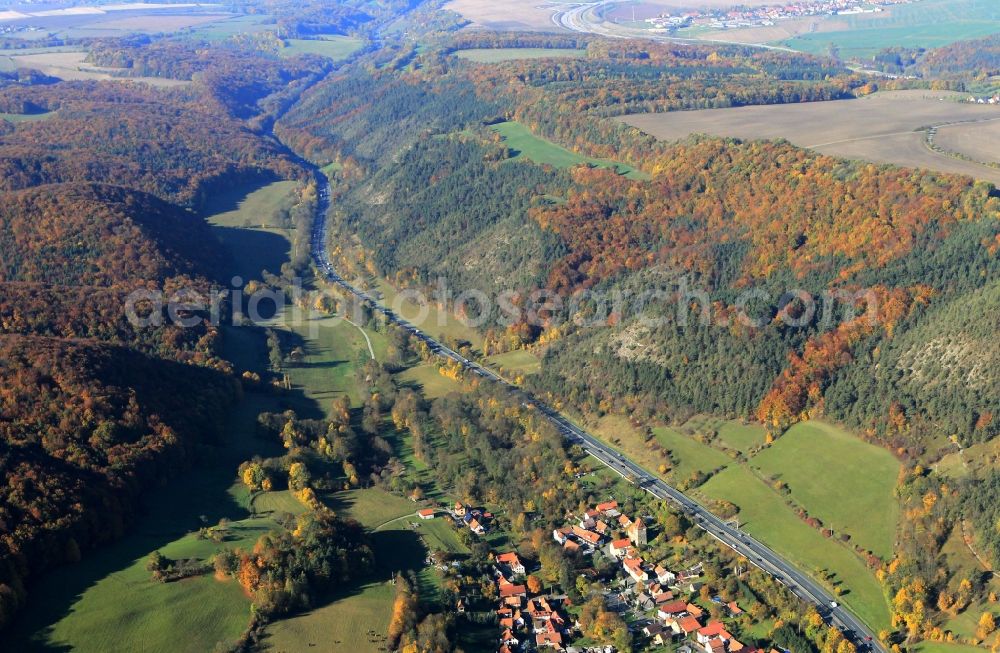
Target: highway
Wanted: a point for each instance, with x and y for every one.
(574, 17)
(756, 553)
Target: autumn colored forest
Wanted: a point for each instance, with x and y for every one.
(715, 216)
(102, 197)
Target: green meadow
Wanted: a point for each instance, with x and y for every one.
(429, 380)
(539, 150)
(764, 514)
(331, 47)
(519, 361)
(839, 479)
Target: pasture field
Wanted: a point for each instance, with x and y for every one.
(691, 456)
(253, 206)
(764, 514)
(883, 127)
(818, 461)
(108, 602)
(334, 349)
(223, 29)
(428, 317)
(519, 361)
(928, 24)
(270, 503)
(331, 47)
(247, 221)
(496, 55)
(688, 454)
(343, 623)
(942, 647)
(438, 533)
(528, 146)
(742, 437)
(732, 434)
(372, 507)
(431, 382)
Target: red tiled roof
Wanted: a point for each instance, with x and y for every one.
(584, 534)
(716, 628)
(509, 558)
(512, 590)
(633, 563)
(543, 638)
(677, 607)
(689, 625)
(425, 512)
(623, 543)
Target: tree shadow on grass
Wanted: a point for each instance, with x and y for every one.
(395, 551)
(197, 498)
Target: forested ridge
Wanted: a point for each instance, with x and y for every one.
(962, 62)
(726, 216)
(96, 202)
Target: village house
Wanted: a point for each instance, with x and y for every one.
(550, 639)
(714, 638)
(509, 639)
(509, 590)
(664, 576)
(672, 610)
(426, 513)
(589, 519)
(608, 508)
(634, 568)
(619, 548)
(658, 635)
(695, 611)
(512, 561)
(687, 625)
(590, 537)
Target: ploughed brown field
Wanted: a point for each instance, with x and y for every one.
(887, 127)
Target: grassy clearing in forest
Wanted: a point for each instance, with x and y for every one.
(543, 152)
(840, 479)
